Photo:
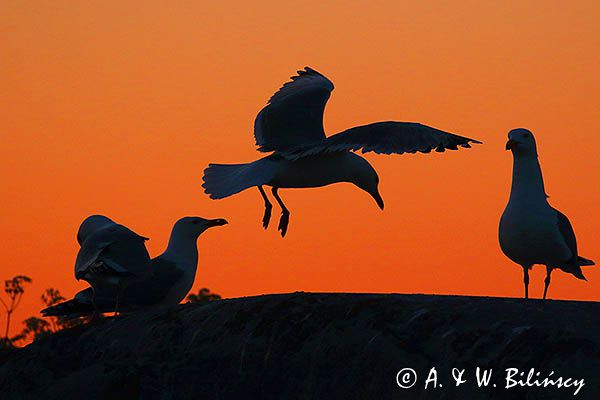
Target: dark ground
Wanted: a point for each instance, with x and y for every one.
(314, 346)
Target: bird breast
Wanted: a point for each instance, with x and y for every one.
(313, 171)
(531, 236)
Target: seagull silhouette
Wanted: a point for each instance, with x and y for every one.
(168, 279)
(531, 231)
(291, 126)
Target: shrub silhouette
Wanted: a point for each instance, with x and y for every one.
(36, 328)
(204, 296)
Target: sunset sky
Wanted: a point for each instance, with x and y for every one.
(116, 107)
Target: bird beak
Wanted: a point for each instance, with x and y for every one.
(378, 199)
(217, 222)
(511, 144)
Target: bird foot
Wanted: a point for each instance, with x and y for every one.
(267, 216)
(95, 317)
(283, 223)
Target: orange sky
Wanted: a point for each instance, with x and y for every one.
(116, 107)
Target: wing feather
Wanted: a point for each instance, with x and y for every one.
(113, 251)
(387, 137)
(575, 263)
(567, 233)
(294, 114)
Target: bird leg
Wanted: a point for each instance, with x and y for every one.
(547, 280)
(268, 207)
(96, 313)
(119, 295)
(285, 214)
(526, 280)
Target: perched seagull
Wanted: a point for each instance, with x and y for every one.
(531, 231)
(291, 126)
(171, 276)
(111, 256)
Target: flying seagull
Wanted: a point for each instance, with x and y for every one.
(291, 127)
(171, 276)
(531, 231)
(111, 256)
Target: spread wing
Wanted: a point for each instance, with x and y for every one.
(294, 115)
(385, 138)
(114, 251)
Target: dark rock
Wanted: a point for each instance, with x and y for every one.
(314, 346)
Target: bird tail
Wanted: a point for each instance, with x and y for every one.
(578, 274)
(584, 262)
(80, 305)
(575, 269)
(69, 309)
(224, 180)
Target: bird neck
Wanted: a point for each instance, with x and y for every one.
(183, 251)
(527, 181)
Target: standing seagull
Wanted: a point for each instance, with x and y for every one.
(171, 276)
(531, 231)
(111, 255)
(291, 126)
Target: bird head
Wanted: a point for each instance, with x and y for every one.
(192, 227)
(374, 192)
(90, 225)
(521, 142)
(365, 177)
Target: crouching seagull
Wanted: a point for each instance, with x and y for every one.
(111, 256)
(531, 231)
(170, 277)
(291, 126)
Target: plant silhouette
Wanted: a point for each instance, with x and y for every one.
(14, 288)
(36, 328)
(204, 296)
